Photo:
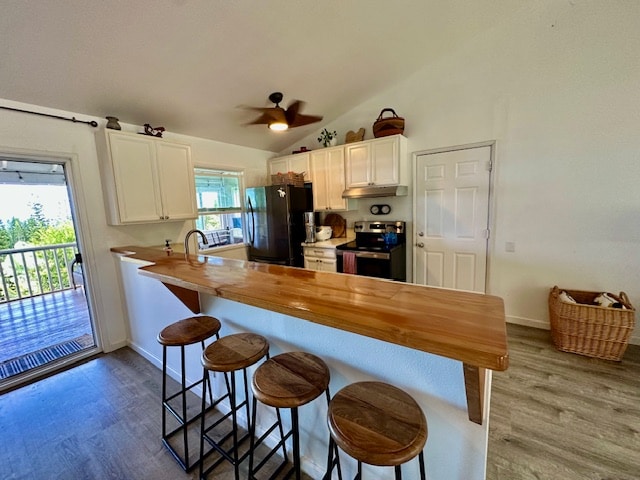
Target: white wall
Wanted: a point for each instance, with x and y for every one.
(558, 90)
(24, 134)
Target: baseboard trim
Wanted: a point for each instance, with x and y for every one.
(110, 347)
(544, 325)
(528, 322)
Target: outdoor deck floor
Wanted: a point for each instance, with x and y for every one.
(39, 322)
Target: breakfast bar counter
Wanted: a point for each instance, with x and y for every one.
(464, 326)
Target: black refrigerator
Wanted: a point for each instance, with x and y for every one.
(275, 223)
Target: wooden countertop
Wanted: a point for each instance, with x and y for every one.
(465, 326)
(331, 243)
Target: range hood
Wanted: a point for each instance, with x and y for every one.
(373, 191)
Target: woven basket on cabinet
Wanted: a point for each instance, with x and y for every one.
(587, 329)
(289, 178)
(385, 126)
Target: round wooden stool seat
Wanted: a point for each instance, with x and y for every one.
(290, 380)
(234, 352)
(377, 423)
(188, 331)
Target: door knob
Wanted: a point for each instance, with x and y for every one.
(420, 244)
(421, 234)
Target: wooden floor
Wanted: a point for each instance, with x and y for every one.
(554, 416)
(560, 416)
(99, 420)
(38, 322)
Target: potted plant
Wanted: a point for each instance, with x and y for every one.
(327, 138)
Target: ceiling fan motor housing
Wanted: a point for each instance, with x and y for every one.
(276, 97)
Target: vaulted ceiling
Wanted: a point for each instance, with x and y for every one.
(187, 65)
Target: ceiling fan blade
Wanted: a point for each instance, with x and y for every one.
(293, 110)
(265, 118)
(301, 120)
(258, 109)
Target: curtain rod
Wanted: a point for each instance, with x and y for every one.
(93, 123)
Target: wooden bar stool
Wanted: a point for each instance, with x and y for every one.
(180, 334)
(229, 355)
(377, 424)
(289, 380)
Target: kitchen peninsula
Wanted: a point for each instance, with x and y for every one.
(415, 336)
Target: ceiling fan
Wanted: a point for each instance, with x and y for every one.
(277, 118)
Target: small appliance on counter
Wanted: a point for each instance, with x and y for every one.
(309, 227)
(323, 232)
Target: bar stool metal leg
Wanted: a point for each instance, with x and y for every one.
(333, 461)
(204, 408)
(181, 418)
(230, 355)
(232, 455)
(254, 443)
(185, 332)
(296, 442)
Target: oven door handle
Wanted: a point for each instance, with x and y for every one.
(362, 254)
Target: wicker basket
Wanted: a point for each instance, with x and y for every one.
(389, 125)
(289, 178)
(588, 329)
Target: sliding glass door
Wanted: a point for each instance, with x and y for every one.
(45, 318)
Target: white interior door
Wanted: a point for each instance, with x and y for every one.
(452, 218)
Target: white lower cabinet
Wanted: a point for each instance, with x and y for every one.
(320, 259)
(146, 179)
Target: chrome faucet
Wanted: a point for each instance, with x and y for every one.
(188, 235)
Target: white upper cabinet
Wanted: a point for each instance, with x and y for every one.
(297, 163)
(374, 162)
(327, 170)
(146, 179)
(177, 183)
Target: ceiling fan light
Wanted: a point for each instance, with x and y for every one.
(278, 126)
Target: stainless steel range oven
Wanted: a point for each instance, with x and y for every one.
(379, 250)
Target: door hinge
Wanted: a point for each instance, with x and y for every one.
(489, 165)
(486, 233)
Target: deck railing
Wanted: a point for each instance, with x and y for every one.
(27, 272)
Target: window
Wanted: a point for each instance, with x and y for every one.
(219, 206)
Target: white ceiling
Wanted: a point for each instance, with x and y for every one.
(187, 65)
